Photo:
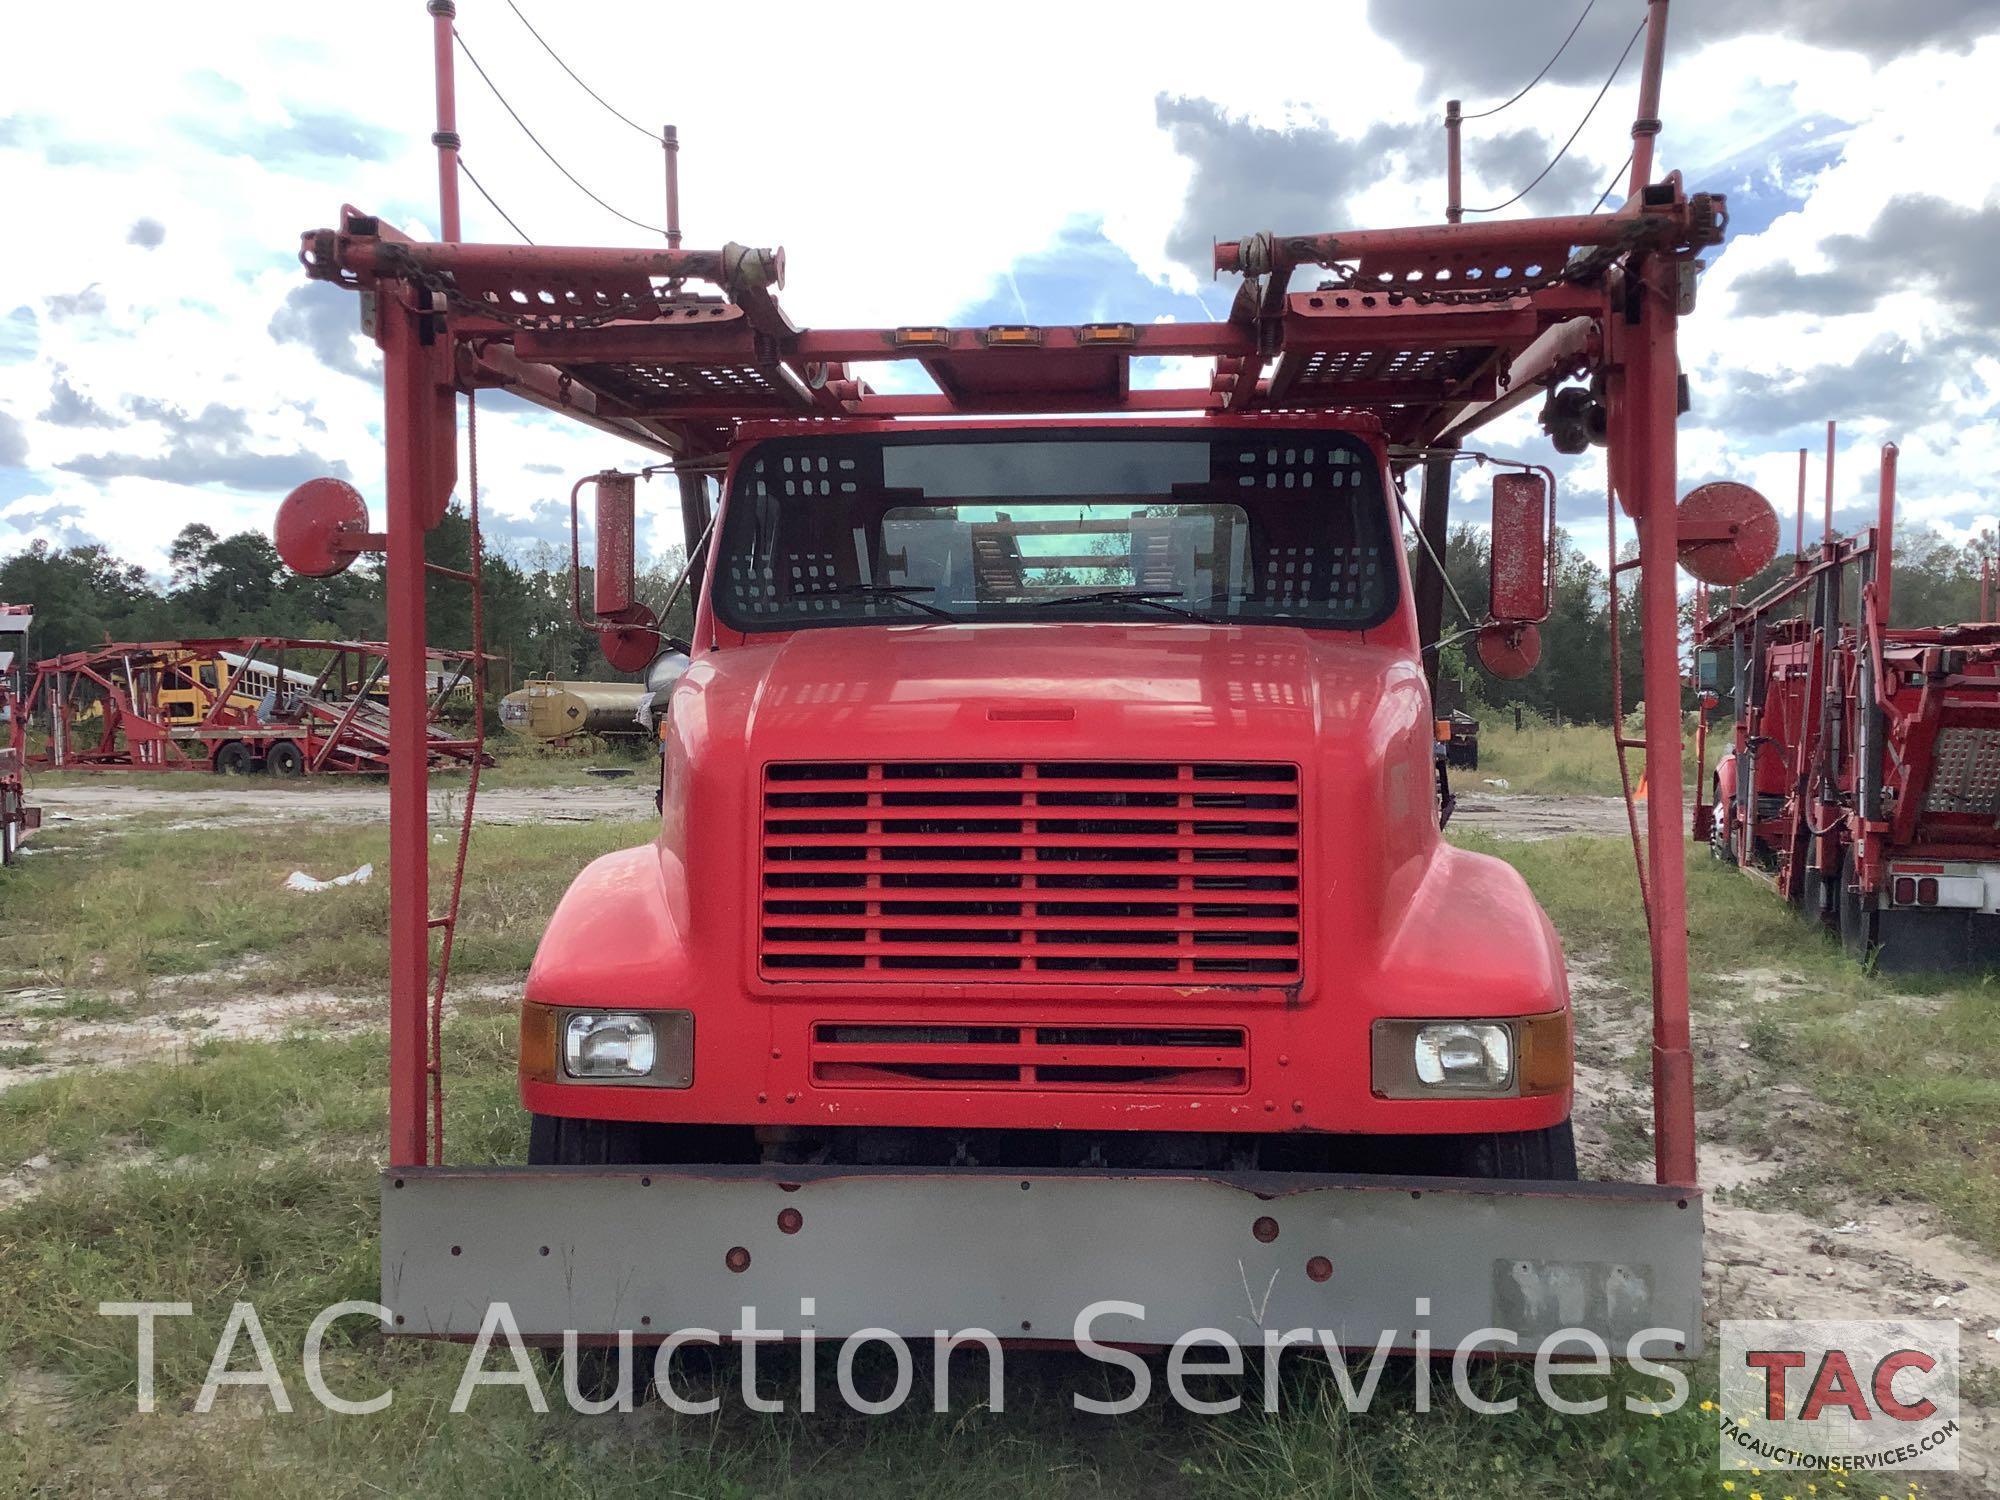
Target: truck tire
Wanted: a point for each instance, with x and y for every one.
(285, 759)
(1523, 1155)
(233, 759)
(1819, 902)
(1860, 924)
(556, 1141)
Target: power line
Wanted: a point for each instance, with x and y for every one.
(635, 223)
(489, 201)
(649, 135)
(1616, 69)
(1612, 183)
(1486, 113)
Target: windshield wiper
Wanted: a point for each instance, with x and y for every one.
(900, 592)
(1151, 598)
(1265, 614)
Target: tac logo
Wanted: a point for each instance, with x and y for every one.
(1839, 1396)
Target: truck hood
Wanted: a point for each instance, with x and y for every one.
(1102, 690)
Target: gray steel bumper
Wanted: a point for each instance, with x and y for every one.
(1022, 1254)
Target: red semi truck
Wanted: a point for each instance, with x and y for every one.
(1049, 903)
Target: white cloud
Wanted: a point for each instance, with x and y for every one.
(909, 156)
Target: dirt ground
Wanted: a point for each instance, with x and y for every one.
(249, 800)
(1850, 1259)
(1529, 817)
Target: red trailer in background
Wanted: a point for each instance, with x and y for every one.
(1863, 773)
(233, 704)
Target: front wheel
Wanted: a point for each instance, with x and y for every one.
(1860, 922)
(1522, 1155)
(234, 759)
(557, 1141)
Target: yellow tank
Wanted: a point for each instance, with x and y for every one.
(550, 711)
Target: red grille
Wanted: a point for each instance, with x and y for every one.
(1205, 1059)
(1080, 871)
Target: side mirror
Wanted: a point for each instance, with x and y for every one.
(1522, 562)
(624, 626)
(1708, 670)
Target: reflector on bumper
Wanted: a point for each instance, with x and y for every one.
(1024, 1254)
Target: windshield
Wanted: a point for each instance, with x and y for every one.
(1241, 526)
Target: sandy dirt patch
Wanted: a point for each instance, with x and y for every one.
(236, 800)
(1854, 1259)
(1530, 817)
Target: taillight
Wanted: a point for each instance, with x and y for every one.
(1927, 891)
(1906, 891)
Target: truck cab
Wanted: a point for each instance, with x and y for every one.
(1052, 793)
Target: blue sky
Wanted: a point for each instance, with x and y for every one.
(162, 360)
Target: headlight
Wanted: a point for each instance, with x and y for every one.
(653, 1048)
(1480, 1059)
(608, 1046)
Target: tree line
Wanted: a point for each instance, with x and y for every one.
(1937, 583)
(236, 585)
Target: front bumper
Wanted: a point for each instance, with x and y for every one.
(599, 1250)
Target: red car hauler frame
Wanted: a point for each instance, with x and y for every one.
(1862, 773)
(786, 1033)
(231, 704)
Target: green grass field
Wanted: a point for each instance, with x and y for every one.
(247, 1171)
(156, 901)
(1550, 760)
(1909, 1070)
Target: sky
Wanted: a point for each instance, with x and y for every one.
(163, 359)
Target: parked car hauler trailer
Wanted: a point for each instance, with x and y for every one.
(1861, 776)
(1049, 902)
(230, 705)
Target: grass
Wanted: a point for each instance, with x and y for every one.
(254, 1182)
(515, 763)
(247, 1171)
(1568, 760)
(1909, 1070)
(153, 903)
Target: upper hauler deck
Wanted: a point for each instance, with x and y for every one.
(1430, 329)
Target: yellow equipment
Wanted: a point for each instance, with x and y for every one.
(551, 711)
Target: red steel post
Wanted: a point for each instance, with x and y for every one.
(445, 137)
(1646, 125)
(670, 144)
(1651, 399)
(410, 431)
(1454, 198)
(1885, 532)
(1802, 509)
(1828, 536)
